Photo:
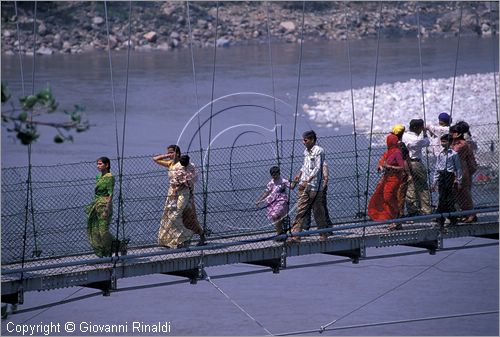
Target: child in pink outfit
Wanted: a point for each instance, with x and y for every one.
(276, 198)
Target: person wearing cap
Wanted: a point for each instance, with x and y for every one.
(417, 195)
(436, 131)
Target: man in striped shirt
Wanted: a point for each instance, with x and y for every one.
(311, 185)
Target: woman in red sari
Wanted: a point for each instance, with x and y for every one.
(383, 204)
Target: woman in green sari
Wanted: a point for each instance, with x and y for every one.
(100, 211)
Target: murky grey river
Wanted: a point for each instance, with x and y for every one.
(162, 97)
(161, 100)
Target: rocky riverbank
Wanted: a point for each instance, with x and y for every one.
(473, 101)
(75, 27)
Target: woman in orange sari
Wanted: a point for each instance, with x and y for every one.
(383, 204)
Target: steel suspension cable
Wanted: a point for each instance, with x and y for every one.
(31, 120)
(356, 156)
(323, 327)
(456, 63)
(494, 59)
(423, 91)
(271, 68)
(373, 112)
(120, 216)
(119, 151)
(19, 48)
(195, 83)
(112, 81)
(402, 321)
(113, 98)
(205, 191)
(29, 181)
(297, 96)
(209, 280)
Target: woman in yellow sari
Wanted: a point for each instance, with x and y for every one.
(100, 211)
(173, 233)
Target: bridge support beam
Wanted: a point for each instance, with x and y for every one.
(14, 298)
(105, 286)
(274, 264)
(488, 236)
(192, 274)
(431, 245)
(353, 254)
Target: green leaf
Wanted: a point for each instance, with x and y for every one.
(5, 93)
(44, 94)
(23, 116)
(51, 105)
(58, 139)
(76, 118)
(27, 137)
(28, 102)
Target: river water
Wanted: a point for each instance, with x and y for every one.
(161, 96)
(161, 101)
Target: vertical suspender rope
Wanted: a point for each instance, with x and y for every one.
(29, 187)
(348, 44)
(201, 273)
(456, 63)
(422, 91)
(494, 58)
(30, 168)
(119, 158)
(19, 48)
(271, 68)
(373, 111)
(297, 97)
(112, 81)
(205, 192)
(120, 216)
(455, 71)
(113, 98)
(196, 94)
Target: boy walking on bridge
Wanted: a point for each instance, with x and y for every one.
(448, 172)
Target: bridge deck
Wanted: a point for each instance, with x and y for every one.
(86, 270)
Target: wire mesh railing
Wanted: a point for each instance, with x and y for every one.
(238, 175)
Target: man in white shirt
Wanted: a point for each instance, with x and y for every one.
(417, 195)
(311, 187)
(436, 131)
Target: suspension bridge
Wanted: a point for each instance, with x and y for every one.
(45, 245)
(56, 252)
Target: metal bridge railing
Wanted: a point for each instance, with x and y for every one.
(238, 176)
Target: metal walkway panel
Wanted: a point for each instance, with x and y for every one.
(196, 258)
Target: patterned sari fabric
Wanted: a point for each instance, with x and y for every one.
(173, 233)
(98, 221)
(383, 204)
